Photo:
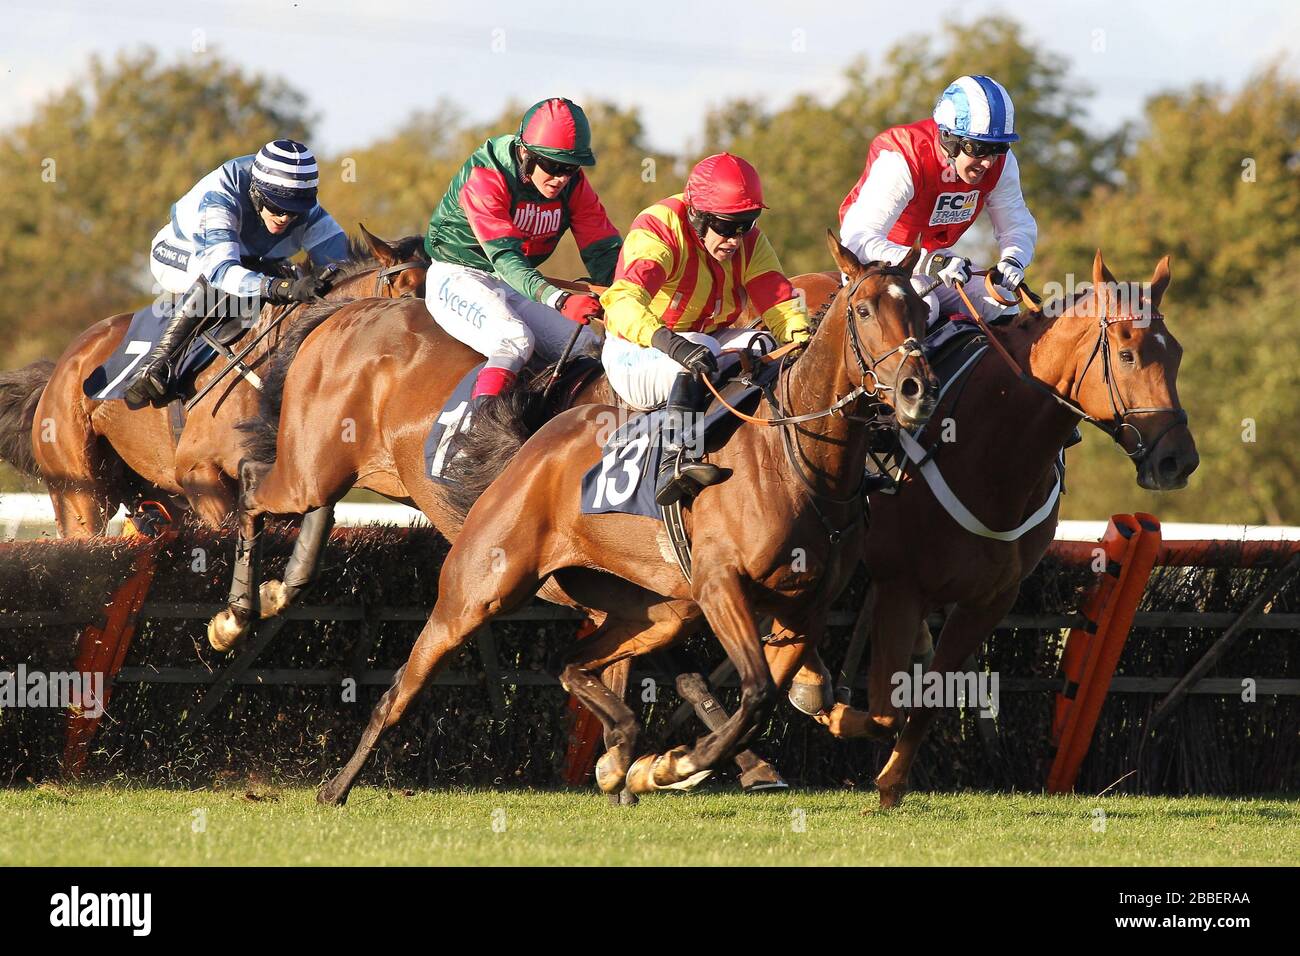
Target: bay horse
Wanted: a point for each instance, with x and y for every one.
(779, 537)
(95, 455)
(1111, 355)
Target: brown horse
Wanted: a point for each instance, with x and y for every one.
(96, 455)
(1111, 355)
(779, 537)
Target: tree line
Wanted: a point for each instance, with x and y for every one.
(1206, 176)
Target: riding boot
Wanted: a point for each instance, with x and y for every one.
(152, 383)
(680, 476)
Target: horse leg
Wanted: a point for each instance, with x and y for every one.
(616, 677)
(232, 624)
(897, 613)
(616, 640)
(209, 492)
(467, 599)
(81, 511)
(721, 596)
(755, 772)
(962, 635)
(276, 596)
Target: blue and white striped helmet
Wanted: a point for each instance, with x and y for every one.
(977, 107)
(286, 174)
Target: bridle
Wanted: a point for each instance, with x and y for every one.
(1116, 427)
(1118, 424)
(867, 366)
(384, 277)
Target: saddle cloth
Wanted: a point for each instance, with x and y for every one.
(112, 379)
(455, 418)
(623, 481)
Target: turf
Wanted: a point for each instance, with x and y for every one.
(58, 825)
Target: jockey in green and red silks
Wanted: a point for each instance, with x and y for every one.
(501, 218)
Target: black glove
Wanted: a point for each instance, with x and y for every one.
(303, 289)
(690, 355)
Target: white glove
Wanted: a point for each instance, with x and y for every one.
(1013, 273)
(951, 271)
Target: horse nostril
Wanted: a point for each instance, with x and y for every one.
(1169, 466)
(910, 388)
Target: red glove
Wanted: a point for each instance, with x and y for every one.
(581, 308)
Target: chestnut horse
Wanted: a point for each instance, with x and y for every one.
(1111, 355)
(780, 536)
(96, 455)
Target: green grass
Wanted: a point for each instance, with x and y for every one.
(56, 825)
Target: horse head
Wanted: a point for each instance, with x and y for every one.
(384, 269)
(1127, 378)
(886, 324)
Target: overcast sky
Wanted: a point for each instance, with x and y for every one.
(366, 65)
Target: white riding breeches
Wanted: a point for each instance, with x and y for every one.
(487, 314)
(643, 376)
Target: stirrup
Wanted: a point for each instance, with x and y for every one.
(686, 479)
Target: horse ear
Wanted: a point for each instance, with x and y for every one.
(385, 254)
(845, 259)
(1100, 273)
(1159, 282)
(912, 258)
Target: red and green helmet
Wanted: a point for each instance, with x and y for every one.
(558, 129)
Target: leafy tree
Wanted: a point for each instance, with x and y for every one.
(90, 179)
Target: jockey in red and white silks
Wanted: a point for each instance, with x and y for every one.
(932, 179)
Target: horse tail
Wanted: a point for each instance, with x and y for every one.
(261, 432)
(19, 392)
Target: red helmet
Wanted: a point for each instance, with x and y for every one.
(724, 184)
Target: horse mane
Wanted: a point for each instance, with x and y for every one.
(262, 431)
(362, 259)
(499, 428)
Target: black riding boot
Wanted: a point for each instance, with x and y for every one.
(687, 479)
(152, 383)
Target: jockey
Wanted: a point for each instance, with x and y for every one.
(502, 217)
(933, 178)
(689, 266)
(226, 234)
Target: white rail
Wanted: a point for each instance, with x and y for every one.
(32, 515)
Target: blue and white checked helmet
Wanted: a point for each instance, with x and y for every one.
(285, 173)
(977, 107)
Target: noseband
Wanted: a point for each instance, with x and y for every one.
(868, 363)
(1119, 422)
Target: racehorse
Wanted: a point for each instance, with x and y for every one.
(1109, 358)
(95, 455)
(780, 536)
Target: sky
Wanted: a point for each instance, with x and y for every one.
(366, 65)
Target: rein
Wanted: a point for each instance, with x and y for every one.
(866, 362)
(1116, 426)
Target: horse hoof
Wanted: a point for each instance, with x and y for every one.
(624, 798)
(690, 783)
(640, 776)
(225, 631)
(762, 776)
(608, 776)
(331, 796)
(890, 797)
(273, 597)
